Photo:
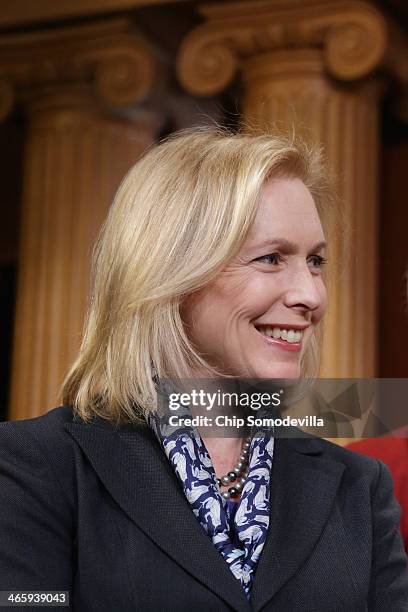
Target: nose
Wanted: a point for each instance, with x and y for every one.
(304, 290)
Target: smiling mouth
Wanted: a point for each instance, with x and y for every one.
(291, 336)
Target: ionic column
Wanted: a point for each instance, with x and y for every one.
(310, 65)
(77, 151)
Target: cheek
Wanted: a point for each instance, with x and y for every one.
(216, 309)
(262, 292)
(323, 301)
(205, 314)
(243, 299)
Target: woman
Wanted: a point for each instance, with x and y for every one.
(210, 265)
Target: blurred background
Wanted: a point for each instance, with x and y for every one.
(87, 85)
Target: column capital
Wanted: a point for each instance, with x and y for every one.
(351, 35)
(109, 57)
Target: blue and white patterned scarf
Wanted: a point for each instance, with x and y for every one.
(240, 537)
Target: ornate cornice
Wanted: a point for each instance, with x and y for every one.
(352, 37)
(110, 56)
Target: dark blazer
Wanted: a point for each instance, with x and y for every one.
(98, 511)
(394, 453)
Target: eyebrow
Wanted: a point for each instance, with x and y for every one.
(288, 245)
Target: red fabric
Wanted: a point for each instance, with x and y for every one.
(393, 451)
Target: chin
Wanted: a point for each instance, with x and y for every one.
(281, 370)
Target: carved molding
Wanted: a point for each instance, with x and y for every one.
(111, 57)
(351, 35)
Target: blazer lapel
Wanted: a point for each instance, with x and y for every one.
(135, 471)
(303, 490)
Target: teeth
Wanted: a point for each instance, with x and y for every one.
(290, 335)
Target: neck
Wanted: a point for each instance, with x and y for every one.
(224, 453)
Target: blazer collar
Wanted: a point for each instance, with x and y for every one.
(134, 469)
(304, 483)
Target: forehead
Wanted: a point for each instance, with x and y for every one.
(286, 209)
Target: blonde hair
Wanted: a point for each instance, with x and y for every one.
(180, 214)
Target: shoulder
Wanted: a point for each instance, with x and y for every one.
(40, 449)
(352, 461)
(44, 432)
(391, 450)
(52, 420)
(38, 502)
(344, 454)
(366, 483)
(373, 457)
(355, 462)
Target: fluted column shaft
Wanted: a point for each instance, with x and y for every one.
(74, 160)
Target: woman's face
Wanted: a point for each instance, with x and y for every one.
(257, 317)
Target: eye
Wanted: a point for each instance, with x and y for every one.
(271, 258)
(318, 261)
